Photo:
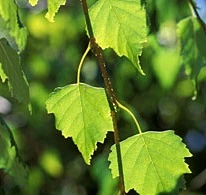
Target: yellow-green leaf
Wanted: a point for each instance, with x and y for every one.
(82, 112)
(53, 7)
(33, 2)
(153, 162)
(120, 25)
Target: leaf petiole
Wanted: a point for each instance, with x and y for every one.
(81, 63)
(131, 114)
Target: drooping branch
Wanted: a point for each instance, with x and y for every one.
(98, 52)
(109, 89)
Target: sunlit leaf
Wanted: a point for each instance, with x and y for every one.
(82, 112)
(12, 23)
(33, 2)
(53, 7)
(120, 25)
(11, 71)
(152, 162)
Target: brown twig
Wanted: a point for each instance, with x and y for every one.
(109, 89)
(120, 167)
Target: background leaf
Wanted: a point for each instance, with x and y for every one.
(102, 175)
(148, 165)
(82, 112)
(53, 7)
(11, 69)
(11, 22)
(120, 25)
(193, 50)
(165, 70)
(9, 160)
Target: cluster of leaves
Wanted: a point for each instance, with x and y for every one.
(83, 112)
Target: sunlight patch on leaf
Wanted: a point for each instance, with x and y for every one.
(11, 70)
(33, 2)
(120, 25)
(83, 113)
(152, 162)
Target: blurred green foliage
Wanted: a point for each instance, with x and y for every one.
(162, 99)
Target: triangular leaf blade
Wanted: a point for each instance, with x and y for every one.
(120, 25)
(82, 112)
(11, 70)
(152, 162)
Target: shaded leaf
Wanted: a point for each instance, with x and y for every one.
(152, 162)
(11, 70)
(9, 159)
(9, 14)
(120, 25)
(82, 112)
(193, 41)
(102, 175)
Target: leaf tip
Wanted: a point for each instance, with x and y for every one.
(50, 17)
(33, 2)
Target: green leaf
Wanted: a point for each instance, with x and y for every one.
(33, 2)
(193, 41)
(2, 74)
(11, 70)
(9, 159)
(9, 14)
(152, 162)
(82, 112)
(121, 25)
(53, 7)
(166, 73)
